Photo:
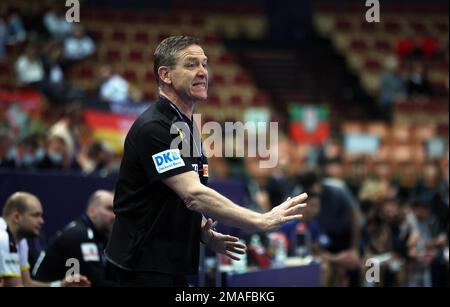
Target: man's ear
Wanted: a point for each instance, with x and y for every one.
(164, 74)
(15, 216)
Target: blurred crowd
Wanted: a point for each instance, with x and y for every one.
(355, 216)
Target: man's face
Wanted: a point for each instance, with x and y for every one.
(30, 222)
(190, 75)
(103, 214)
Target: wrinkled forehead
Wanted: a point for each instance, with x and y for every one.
(192, 52)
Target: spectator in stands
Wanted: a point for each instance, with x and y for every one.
(392, 86)
(22, 218)
(29, 67)
(57, 155)
(376, 187)
(57, 25)
(425, 244)
(54, 86)
(67, 128)
(417, 81)
(100, 158)
(84, 240)
(78, 46)
(15, 31)
(385, 239)
(114, 88)
(23, 155)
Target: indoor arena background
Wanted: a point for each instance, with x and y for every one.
(359, 103)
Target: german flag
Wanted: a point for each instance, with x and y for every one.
(109, 127)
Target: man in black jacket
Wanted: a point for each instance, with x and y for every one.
(81, 241)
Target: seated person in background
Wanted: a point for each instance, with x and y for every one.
(23, 155)
(392, 86)
(55, 87)
(84, 240)
(418, 83)
(114, 88)
(56, 24)
(57, 156)
(29, 67)
(78, 46)
(21, 219)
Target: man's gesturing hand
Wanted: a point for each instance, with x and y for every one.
(285, 212)
(221, 243)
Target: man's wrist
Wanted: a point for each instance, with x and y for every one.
(260, 223)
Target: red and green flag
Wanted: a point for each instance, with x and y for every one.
(309, 123)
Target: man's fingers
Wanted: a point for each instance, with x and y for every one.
(236, 250)
(300, 198)
(231, 238)
(232, 256)
(292, 217)
(296, 209)
(237, 245)
(208, 224)
(296, 200)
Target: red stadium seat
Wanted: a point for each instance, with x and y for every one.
(260, 99)
(418, 27)
(236, 100)
(383, 45)
(218, 79)
(358, 45)
(226, 58)
(241, 79)
(197, 21)
(113, 55)
(372, 65)
(119, 36)
(85, 73)
(141, 37)
(97, 35)
(174, 20)
(213, 99)
(130, 75)
(210, 39)
(135, 56)
(152, 19)
(343, 25)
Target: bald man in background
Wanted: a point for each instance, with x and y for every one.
(22, 219)
(82, 241)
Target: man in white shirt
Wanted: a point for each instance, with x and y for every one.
(22, 218)
(78, 46)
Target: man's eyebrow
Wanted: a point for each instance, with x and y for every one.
(191, 58)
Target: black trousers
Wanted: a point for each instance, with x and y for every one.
(127, 278)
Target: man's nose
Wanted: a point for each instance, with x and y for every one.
(203, 71)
